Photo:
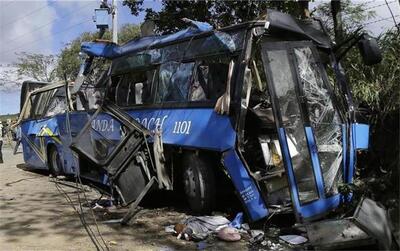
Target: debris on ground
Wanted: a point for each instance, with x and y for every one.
(229, 234)
(293, 239)
(237, 221)
(256, 236)
(112, 243)
(199, 227)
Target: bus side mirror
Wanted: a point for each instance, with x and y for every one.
(369, 50)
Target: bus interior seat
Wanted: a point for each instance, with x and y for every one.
(138, 91)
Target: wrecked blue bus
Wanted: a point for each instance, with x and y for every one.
(253, 101)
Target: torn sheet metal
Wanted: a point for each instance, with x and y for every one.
(293, 239)
(111, 50)
(245, 185)
(119, 147)
(337, 234)
(283, 23)
(369, 225)
(373, 219)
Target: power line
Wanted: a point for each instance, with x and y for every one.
(26, 15)
(78, 178)
(44, 25)
(372, 7)
(80, 214)
(38, 40)
(383, 19)
(376, 6)
(391, 13)
(369, 2)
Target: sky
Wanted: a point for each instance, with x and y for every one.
(40, 26)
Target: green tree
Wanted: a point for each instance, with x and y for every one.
(37, 66)
(217, 13)
(352, 16)
(10, 76)
(69, 62)
(377, 89)
(372, 86)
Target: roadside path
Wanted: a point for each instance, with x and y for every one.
(35, 216)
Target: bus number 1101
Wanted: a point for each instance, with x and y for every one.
(182, 127)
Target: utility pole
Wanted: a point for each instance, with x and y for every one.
(114, 21)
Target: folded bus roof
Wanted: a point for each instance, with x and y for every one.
(276, 23)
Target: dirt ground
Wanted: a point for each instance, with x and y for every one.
(35, 216)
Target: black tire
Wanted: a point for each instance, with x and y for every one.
(199, 183)
(55, 165)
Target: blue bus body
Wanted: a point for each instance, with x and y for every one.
(202, 128)
(205, 130)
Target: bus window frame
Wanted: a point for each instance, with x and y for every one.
(174, 104)
(28, 102)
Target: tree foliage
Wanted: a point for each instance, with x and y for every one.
(37, 66)
(378, 86)
(217, 13)
(68, 62)
(352, 14)
(9, 77)
(134, 5)
(372, 86)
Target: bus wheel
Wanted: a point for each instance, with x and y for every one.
(54, 162)
(199, 184)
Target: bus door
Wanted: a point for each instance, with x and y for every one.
(310, 136)
(117, 144)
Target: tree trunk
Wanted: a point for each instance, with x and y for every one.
(337, 20)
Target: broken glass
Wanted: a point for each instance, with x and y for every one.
(283, 81)
(174, 82)
(324, 118)
(57, 106)
(132, 88)
(99, 140)
(218, 43)
(39, 103)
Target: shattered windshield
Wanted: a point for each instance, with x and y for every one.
(324, 118)
(285, 90)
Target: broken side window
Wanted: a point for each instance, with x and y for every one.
(89, 97)
(57, 103)
(174, 82)
(201, 80)
(210, 79)
(132, 88)
(40, 102)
